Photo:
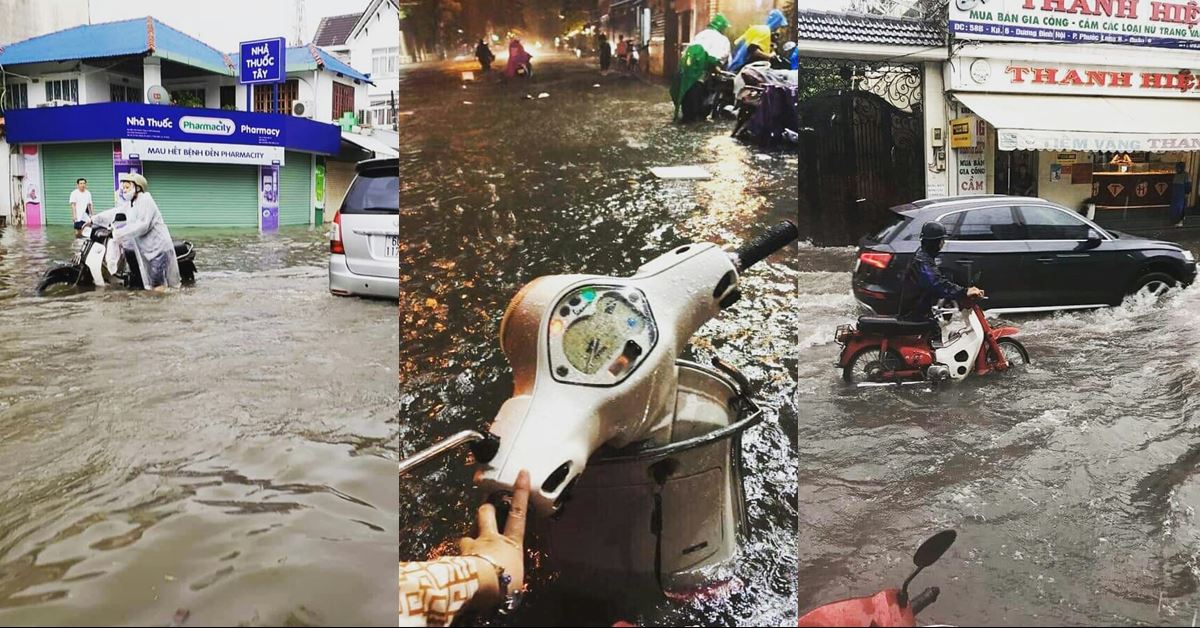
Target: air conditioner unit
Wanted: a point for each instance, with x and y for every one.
(302, 108)
(57, 103)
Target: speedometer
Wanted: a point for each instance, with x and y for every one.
(600, 334)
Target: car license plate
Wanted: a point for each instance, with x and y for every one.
(391, 246)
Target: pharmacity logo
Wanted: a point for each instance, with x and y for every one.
(206, 126)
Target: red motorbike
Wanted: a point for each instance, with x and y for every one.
(959, 341)
(890, 607)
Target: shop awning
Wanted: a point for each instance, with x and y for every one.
(369, 143)
(1089, 123)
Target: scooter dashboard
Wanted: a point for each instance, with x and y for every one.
(599, 335)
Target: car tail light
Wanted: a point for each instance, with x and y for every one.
(335, 237)
(878, 260)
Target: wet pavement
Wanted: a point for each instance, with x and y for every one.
(500, 189)
(228, 449)
(1072, 484)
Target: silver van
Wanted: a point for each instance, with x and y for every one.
(364, 247)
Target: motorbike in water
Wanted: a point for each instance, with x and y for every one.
(752, 86)
(889, 607)
(98, 264)
(634, 454)
(721, 98)
(958, 342)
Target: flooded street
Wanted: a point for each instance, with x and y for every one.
(228, 449)
(1072, 484)
(500, 189)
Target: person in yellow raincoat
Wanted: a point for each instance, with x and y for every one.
(755, 43)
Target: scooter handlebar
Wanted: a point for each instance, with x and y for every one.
(924, 599)
(764, 245)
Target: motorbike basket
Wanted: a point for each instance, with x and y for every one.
(663, 518)
(843, 333)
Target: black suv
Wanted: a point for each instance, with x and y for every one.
(1027, 253)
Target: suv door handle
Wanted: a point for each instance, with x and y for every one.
(1046, 260)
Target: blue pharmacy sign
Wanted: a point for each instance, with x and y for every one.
(262, 61)
(138, 121)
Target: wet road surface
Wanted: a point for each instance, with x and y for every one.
(499, 189)
(228, 449)
(1072, 484)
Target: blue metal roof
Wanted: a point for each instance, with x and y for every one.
(173, 44)
(300, 58)
(112, 39)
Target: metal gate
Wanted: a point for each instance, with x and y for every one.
(861, 148)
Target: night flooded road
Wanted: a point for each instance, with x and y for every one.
(499, 189)
(1072, 484)
(228, 449)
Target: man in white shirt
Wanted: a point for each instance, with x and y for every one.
(81, 205)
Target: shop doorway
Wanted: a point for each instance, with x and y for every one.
(1016, 172)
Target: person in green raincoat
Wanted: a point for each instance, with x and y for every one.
(709, 50)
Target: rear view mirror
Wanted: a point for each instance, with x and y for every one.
(1093, 238)
(933, 548)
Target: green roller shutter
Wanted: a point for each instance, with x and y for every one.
(204, 195)
(62, 165)
(295, 192)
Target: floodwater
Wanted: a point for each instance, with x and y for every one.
(1072, 484)
(228, 449)
(499, 189)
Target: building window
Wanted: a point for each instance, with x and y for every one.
(188, 98)
(383, 62)
(685, 26)
(288, 92)
(63, 90)
(343, 99)
(16, 96)
(124, 93)
(229, 97)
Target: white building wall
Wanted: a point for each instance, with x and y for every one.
(93, 86)
(382, 30)
(933, 97)
(309, 90)
(22, 19)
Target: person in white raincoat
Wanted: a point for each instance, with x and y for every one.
(144, 233)
(713, 39)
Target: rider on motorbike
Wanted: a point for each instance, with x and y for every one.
(484, 54)
(924, 282)
(144, 234)
(518, 58)
(757, 43)
(706, 54)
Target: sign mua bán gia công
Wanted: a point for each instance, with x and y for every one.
(1158, 23)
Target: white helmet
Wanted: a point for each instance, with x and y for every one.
(135, 179)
